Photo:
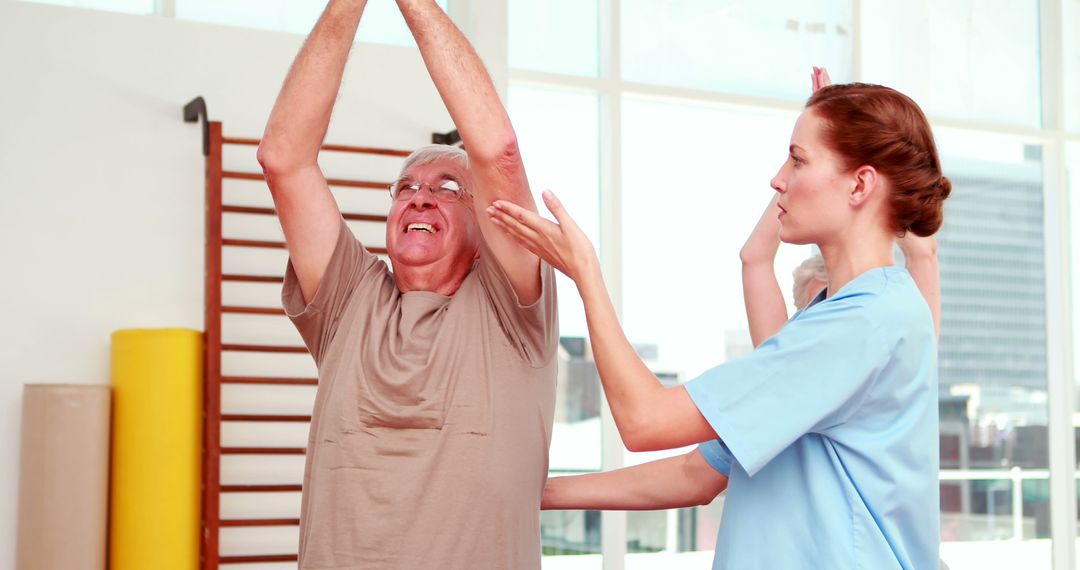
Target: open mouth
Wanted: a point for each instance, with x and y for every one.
(418, 227)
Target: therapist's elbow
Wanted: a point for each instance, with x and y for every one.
(712, 489)
(633, 443)
(647, 423)
(639, 434)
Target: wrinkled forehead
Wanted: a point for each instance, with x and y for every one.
(437, 170)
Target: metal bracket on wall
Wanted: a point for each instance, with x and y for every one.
(195, 110)
(451, 138)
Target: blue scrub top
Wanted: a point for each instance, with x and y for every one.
(829, 435)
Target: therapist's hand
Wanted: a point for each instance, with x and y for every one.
(764, 240)
(563, 245)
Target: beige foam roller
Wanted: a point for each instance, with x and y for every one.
(63, 478)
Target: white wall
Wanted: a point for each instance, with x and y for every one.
(101, 181)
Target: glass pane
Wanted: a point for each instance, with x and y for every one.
(381, 22)
(950, 56)
(125, 6)
(1072, 160)
(665, 144)
(992, 355)
(1071, 57)
(676, 538)
(753, 48)
(570, 540)
(695, 181)
(556, 36)
(559, 136)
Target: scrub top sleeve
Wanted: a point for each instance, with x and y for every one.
(808, 378)
(717, 455)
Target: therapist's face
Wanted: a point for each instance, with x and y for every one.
(813, 187)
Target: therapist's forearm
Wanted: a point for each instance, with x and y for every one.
(648, 415)
(674, 482)
(765, 309)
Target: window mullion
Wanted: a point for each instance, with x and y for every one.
(613, 523)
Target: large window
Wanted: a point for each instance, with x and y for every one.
(754, 48)
(992, 353)
(696, 102)
(1071, 63)
(949, 56)
(684, 223)
(1072, 161)
(558, 134)
(557, 36)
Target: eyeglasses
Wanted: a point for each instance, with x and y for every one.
(446, 191)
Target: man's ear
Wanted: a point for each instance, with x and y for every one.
(867, 182)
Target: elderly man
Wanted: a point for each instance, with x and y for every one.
(429, 439)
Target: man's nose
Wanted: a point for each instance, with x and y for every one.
(424, 197)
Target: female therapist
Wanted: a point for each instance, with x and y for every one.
(826, 436)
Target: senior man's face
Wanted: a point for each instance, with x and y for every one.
(425, 234)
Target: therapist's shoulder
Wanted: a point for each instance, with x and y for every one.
(894, 303)
(882, 296)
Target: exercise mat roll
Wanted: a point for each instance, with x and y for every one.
(156, 455)
(63, 477)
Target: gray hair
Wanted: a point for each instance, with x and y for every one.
(433, 153)
(811, 269)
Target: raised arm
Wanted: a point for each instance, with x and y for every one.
(920, 257)
(682, 481)
(488, 136)
(649, 416)
(290, 146)
(766, 312)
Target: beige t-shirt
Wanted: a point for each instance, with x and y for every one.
(432, 421)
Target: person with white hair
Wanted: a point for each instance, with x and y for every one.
(809, 278)
(436, 392)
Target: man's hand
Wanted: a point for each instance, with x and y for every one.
(819, 78)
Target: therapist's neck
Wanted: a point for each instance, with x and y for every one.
(854, 252)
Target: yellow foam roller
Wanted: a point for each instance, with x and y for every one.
(156, 449)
